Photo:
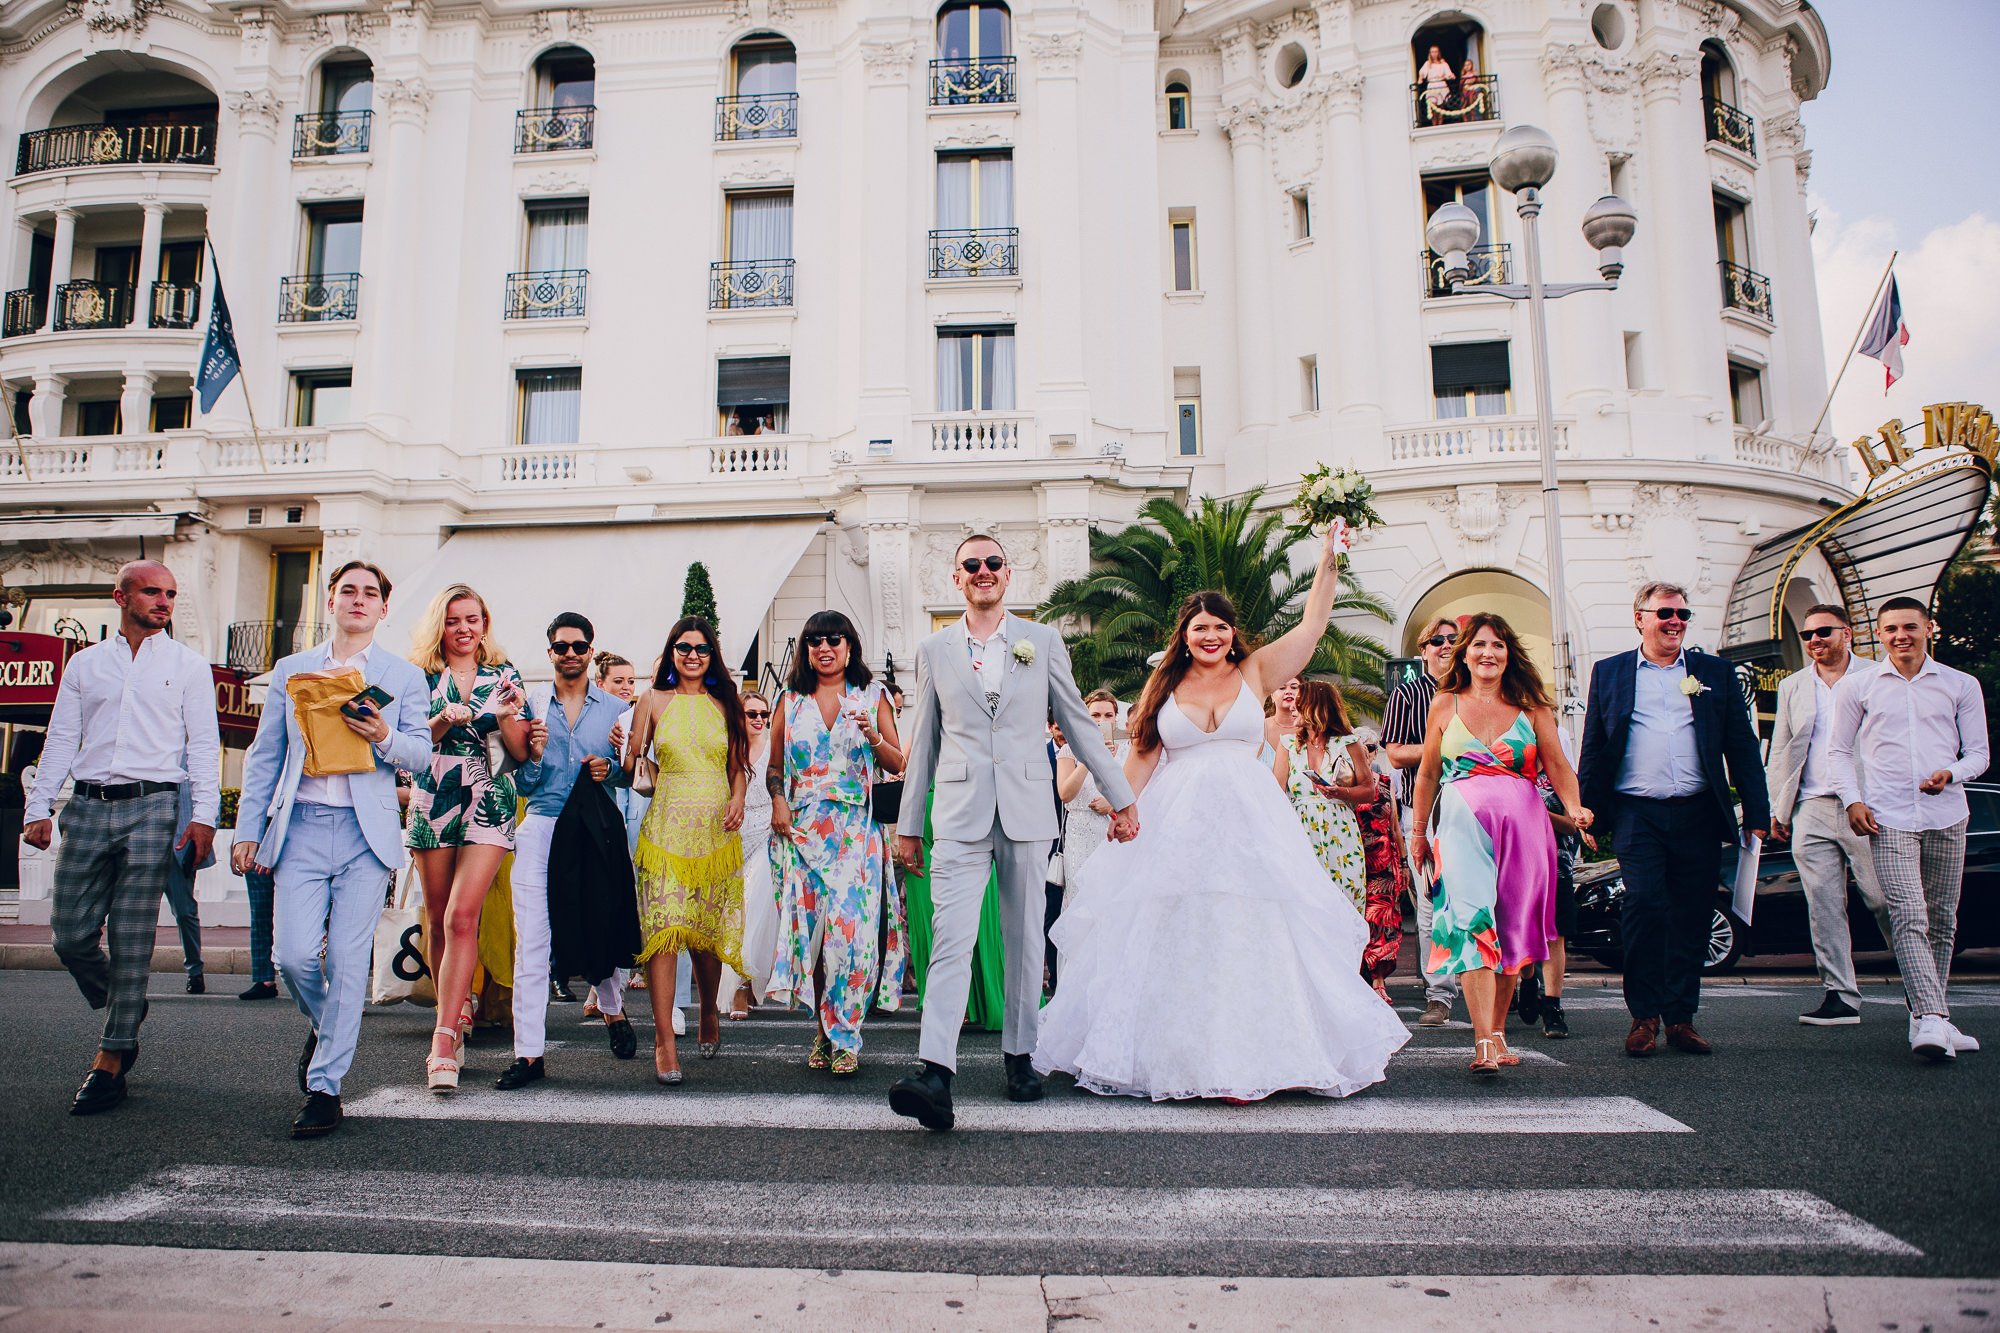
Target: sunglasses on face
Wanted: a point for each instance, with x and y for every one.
(971, 564)
(756, 715)
(1666, 613)
(825, 640)
(1441, 641)
(694, 650)
(569, 647)
(1822, 632)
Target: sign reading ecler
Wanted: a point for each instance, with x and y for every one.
(31, 669)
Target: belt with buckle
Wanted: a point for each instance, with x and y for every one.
(123, 791)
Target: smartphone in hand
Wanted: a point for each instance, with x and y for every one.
(371, 700)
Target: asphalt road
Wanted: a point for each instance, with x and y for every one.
(1791, 1151)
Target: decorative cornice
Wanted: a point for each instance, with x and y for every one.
(114, 18)
(888, 62)
(1562, 67)
(407, 99)
(256, 109)
(1055, 53)
(1785, 132)
(1663, 73)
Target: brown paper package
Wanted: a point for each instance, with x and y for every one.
(330, 746)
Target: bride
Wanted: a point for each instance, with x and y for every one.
(1212, 956)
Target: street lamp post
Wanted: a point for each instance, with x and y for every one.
(1524, 161)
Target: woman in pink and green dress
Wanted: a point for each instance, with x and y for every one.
(1491, 734)
(833, 733)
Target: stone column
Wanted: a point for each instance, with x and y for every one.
(1685, 226)
(149, 270)
(135, 402)
(1354, 385)
(1255, 202)
(1584, 338)
(392, 315)
(243, 252)
(887, 221)
(23, 262)
(45, 408)
(1795, 296)
(1062, 397)
(64, 260)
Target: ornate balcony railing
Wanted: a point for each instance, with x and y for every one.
(1747, 290)
(764, 116)
(176, 306)
(549, 129)
(979, 433)
(256, 645)
(972, 82)
(308, 297)
(549, 294)
(1484, 264)
(1466, 101)
(977, 252)
(748, 284)
(325, 133)
(1731, 127)
(1494, 437)
(24, 312)
(92, 305)
(115, 145)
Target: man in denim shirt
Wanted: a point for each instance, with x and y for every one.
(577, 733)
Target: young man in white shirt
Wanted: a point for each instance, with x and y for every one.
(134, 721)
(1918, 730)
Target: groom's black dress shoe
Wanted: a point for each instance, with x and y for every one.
(319, 1117)
(925, 1096)
(101, 1091)
(1023, 1083)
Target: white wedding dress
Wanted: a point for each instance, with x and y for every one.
(1212, 956)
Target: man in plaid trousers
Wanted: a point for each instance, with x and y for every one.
(134, 722)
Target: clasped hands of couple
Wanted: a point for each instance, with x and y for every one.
(1124, 828)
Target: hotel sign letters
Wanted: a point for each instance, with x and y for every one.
(1964, 426)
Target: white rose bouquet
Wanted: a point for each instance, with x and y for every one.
(1335, 497)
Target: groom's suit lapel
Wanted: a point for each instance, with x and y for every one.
(958, 647)
(1017, 632)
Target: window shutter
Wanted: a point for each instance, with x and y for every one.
(753, 381)
(1466, 365)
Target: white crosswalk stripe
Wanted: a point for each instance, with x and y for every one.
(1564, 1219)
(1410, 1055)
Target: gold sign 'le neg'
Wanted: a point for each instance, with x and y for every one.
(1965, 426)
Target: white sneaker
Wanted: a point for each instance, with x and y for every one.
(1959, 1041)
(681, 1023)
(1933, 1039)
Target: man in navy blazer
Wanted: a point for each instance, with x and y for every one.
(332, 843)
(1666, 735)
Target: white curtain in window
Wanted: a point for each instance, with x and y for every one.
(760, 228)
(954, 386)
(558, 238)
(996, 191)
(552, 407)
(997, 387)
(954, 193)
(959, 179)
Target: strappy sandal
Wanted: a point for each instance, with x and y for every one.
(1485, 1063)
(822, 1052)
(845, 1063)
(739, 1004)
(1507, 1058)
(441, 1071)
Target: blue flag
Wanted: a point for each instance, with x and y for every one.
(219, 362)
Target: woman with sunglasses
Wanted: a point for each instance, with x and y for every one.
(760, 890)
(833, 733)
(689, 863)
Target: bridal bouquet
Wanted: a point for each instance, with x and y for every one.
(1335, 498)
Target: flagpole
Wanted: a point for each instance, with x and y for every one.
(1867, 313)
(263, 463)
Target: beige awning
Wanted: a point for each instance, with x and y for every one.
(87, 527)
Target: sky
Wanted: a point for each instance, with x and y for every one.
(1904, 158)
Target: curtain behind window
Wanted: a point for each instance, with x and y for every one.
(559, 238)
(760, 228)
(551, 406)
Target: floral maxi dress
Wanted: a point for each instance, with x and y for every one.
(456, 802)
(835, 887)
(690, 868)
(1330, 825)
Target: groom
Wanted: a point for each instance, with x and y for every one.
(986, 686)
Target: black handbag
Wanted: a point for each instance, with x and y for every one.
(887, 800)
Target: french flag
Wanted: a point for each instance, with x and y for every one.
(1887, 334)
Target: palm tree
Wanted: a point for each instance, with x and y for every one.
(1140, 576)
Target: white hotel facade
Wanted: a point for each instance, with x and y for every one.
(508, 279)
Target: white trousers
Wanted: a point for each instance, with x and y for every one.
(532, 939)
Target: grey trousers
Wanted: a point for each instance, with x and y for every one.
(187, 915)
(958, 888)
(1922, 873)
(1825, 849)
(110, 872)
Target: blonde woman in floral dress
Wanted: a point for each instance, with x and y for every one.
(1308, 764)
(689, 864)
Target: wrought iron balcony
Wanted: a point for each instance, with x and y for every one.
(548, 294)
(311, 297)
(24, 312)
(977, 252)
(1746, 290)
(765, 116)
(175, 306)
(1484, 264)
(972, 82)
(1467, 100)
(115, 145)
(256, 645)
(748, 284)
(326, 133)
(550, 129)
(1730, 127)
(92, 305)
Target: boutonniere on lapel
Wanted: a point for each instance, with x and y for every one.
(1024, 653)
(1692, 687)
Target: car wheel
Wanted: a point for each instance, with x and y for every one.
(1725, 943)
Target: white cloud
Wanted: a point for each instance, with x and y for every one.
(1946, 280)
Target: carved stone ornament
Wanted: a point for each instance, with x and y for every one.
(756, 171)
(1024, 553)
(1785, 132)
(1069, 549)
(935, 562)
(407, 99)
(257, 107)
(1730, 180)
(1666, 540)
(888, 62)
(780, 11)
(346, 185)
(556, 183)
(256, 37)
(973, 133)
(57, 564)
(1457, 153)
(1611, 106)
(559, 23)
(1802, 164)
(1055, 53)
(888, 548)
(1477, 513)
(1562, 66)
(114, 18)
(1719, 19)
(1665, 74)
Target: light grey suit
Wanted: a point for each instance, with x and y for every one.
(1824, 847)
(994, 805)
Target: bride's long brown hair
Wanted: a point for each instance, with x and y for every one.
(1173, 668)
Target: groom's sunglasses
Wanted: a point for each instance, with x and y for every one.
(1680, 613)
(971, 564)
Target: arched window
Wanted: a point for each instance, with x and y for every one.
(565, 77)
(1718, 76)
(763, 97)
(562, 111)
(975, 54)
(344, 98)
(1727, 123)
(1452, 86)
(1180, 105)
(1525, 607)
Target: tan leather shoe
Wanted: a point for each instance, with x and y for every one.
(1644, 1038)
(1683, 1037)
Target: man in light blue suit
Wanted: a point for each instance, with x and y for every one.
(334, 843)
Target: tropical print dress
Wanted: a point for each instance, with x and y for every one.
(1496, 854)
(1382, 836)
(689, 868)
(457, 802)
(1330, 824)
(837, 900)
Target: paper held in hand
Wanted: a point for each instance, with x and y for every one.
(331, 746)
(1744, 896)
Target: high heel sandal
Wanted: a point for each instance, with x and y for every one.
(1485, 1063)
(665, 1077)
(441, 1071)
(709, 1049)
(739, 1005)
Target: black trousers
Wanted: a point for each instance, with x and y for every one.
(1671, 855)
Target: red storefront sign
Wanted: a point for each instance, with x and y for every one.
(31, 669)
(235, 711)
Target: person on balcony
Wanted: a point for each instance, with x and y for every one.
(1469, 92)
(1435, 75)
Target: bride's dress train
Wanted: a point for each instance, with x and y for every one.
(1212, 956)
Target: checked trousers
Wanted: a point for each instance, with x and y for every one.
(110, 872)
(1922, 874)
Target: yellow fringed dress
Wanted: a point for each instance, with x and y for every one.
(690, 869)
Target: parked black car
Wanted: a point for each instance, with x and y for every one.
(1778, 924)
